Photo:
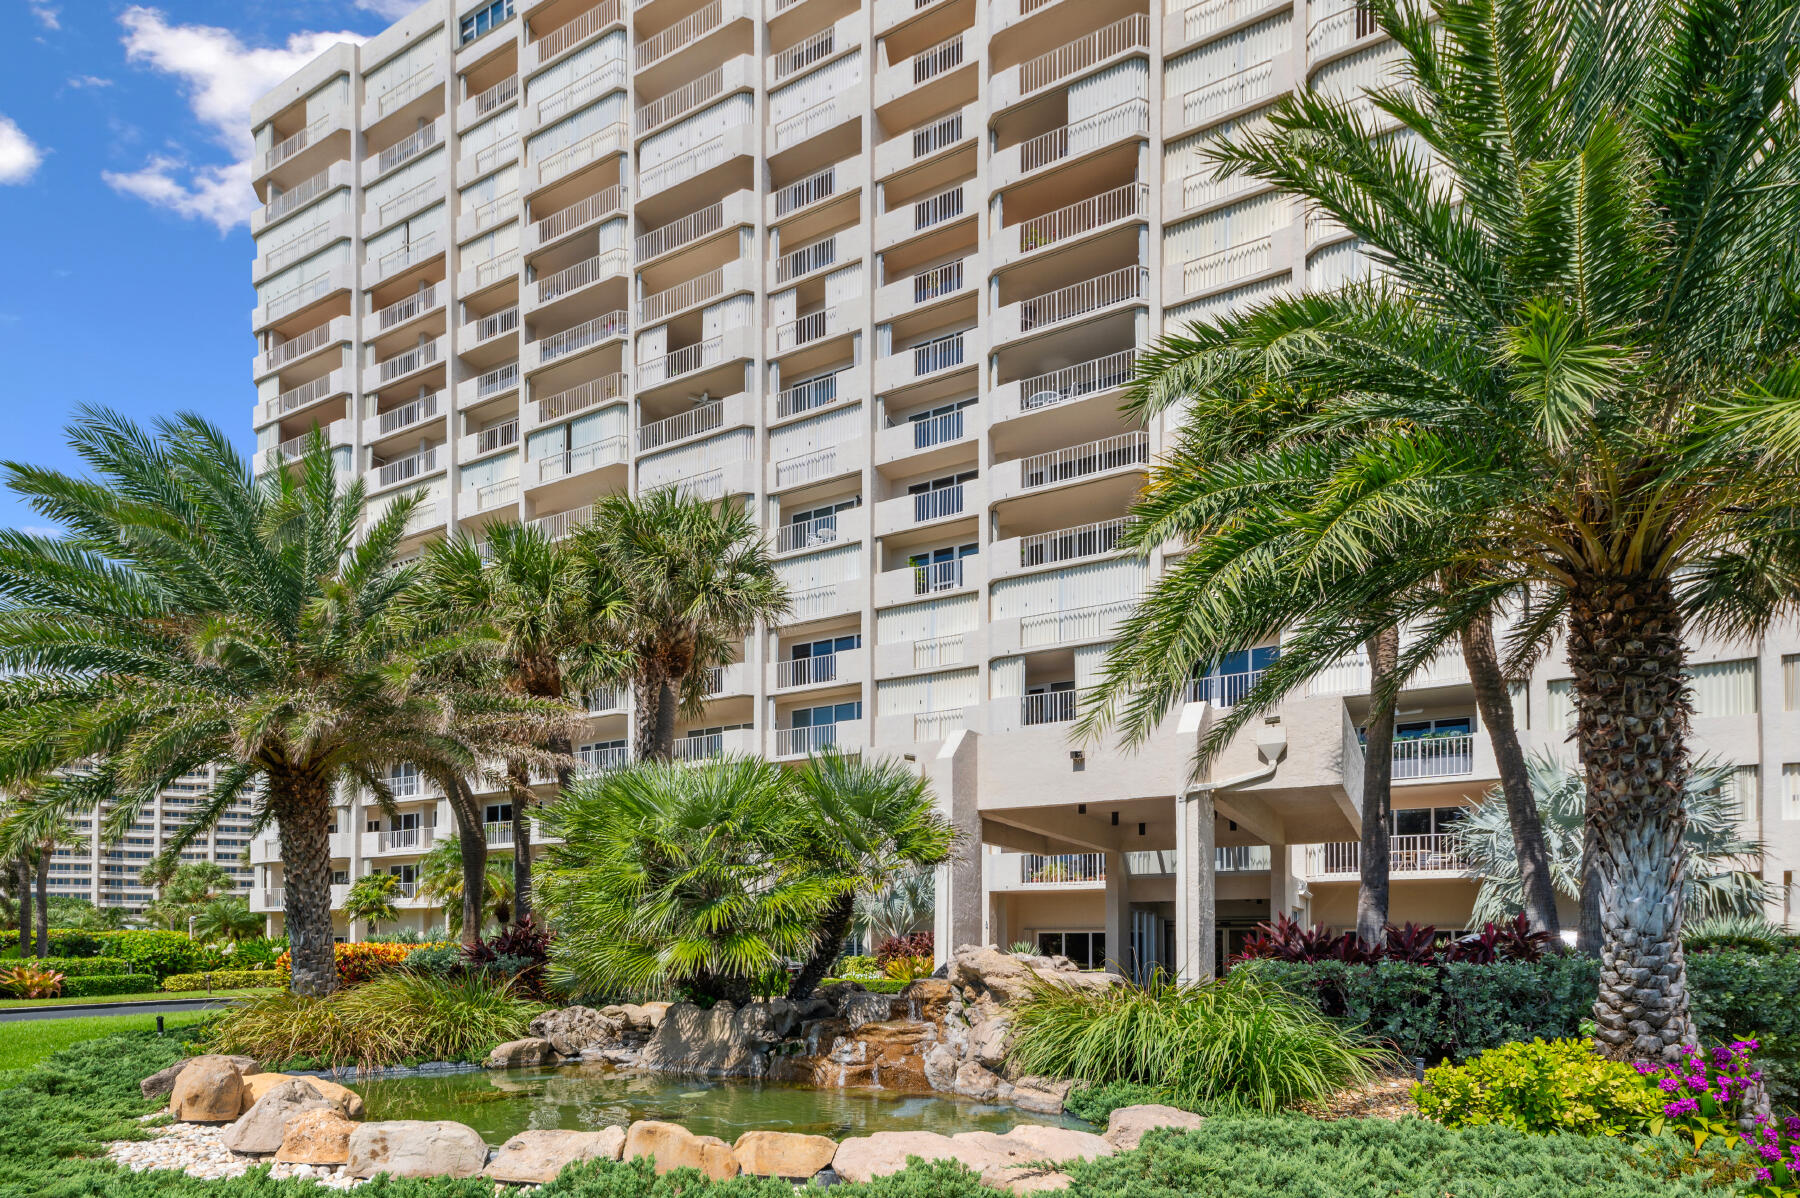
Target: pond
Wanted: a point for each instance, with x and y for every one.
(500, 1103)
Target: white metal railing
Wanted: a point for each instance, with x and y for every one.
(929, 578)
(1424, 853)
(604, 698)
(584, 273)
(1255, 82)
(582, 396)
(1338, 26)
(560, 524)
(939, 503)
(489, 158)
(797, 742)
(489, 439)
(404, 838)
(806, 259)
(681, 101)
(608, 76)
(294, 347)
(946, 279)
(1071, 544)
(581, 212)
(298, 397)
(407, 90)
(1083, 216)
(683, 295)
(819, 463)
(609, 451)
(1078, 461)
(936, 651)
(939, 353)
(698, 746)
(708, 484)
(427, 246)
(715, 679)
(1130, 118)
(273, 897)
(1062, 869)
(813, 121)
(286, 148)
(300, 295)
(1229, 265)
(1433, 756)
(807, 534)
(498, 835)
(702, 418)
(935, 430)
(936, 209)
(806, 395)
(683, 167)
(407, 414)
(407, 148)
(595, 144)
(416, 358)
(689, 29)
(407, 201)
(588, 332)
(495, 494)
(1048, 69)
(807, 671)
(936, 725)
(798, 57)
(1322, 226)
(1073, 382)
(489, 100)
(1049, 707)
(496, 323)
(929, 139)
(1078, 299)
(929, 63)
(565, 36)
(677, 233)
(300, 193)
(1211, 16)
(685, 360)
(597, 759)
(1222, 690)
(810, 190)
(501, 378)
(496, 268)
(403, 310)
(1073, 624)
(296, 248)
(494, 211)
(814, 602)
(407, 467)
(803, 330)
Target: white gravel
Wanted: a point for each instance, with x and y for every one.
(199, 1151)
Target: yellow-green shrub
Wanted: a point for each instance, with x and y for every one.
(1543, 1086)
(225, 979)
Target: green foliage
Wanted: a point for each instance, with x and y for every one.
(1095, 1104)
(1739, 995)
(1543, 1086)
(71, 967)
(1240, 1039)
(371, 899)
(443, 960)
(441, 882)
(257, 952)
(858, 966)
(393, 1017)
(107, 984)
(1751, 933)
(224, 979)
(162, 953)
(229, 919)
(185, 892)
(874, 985)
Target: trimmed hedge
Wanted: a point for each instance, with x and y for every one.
(73, 967)
(101, 985)
(224, 979)
(1742, 995)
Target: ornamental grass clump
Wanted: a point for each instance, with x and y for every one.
(1236, 1041)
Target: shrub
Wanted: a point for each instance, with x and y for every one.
(907, 969)
(856, 967)
(258, 952)
(224, 979)
(442, 960)
(1095, 1104)
(1741, 995)
(31, 981)
(162, 953)
(520, 952)
(1288, 940)
(1749, 932)
(359, 963)
(873, 985)
(72, 967)
(1240, 1039)
(104, 985)
(1543, 1086)
(919, 944)
(395, 1017)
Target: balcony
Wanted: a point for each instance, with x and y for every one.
(734, 75)
(610, 451)
(598, 759)
(1227, 267)
(584, 336)
(1081, 542)
(562, 39)
(845, 736)
(1098, 376)
(903, 513)
(846, 245)
(1106, 455)
(1120, 123)
(284, 254)
(402, 152)
(502, 493)
(909, 584)
(934, 211)
(337, 330)
(690, 359)
(1207, 105)
(889, 13)
(927, 141)
(401, 312)
(702, 289)
(399, 840)
(558, 525)
(291, 147)
(904, 438)
(732, 143)
(283, 204)
(1434, 757)
(813, 328)
(401, 470)
(949, 651)
(336, 435)
(1107, 210)
(803, 55)
(825, 669)
(484, 329)
(577, 216)
(488, 385)
(499, 836)
(391, 370)
(827, 601)
(1338, 27)
(608, 264)
(840, 178)
(487, 102)
(1066, 626)
(698, 421)
(1125, 36)
(926, 360)
(947, 280)
(1126, 286)
(700, 746)
(300, 398)
(484, 441)
(1010, 871)
(830, 461)
(407, 256)
(393, 99)
(614, 139)
(493, 213)
(820, 391)
(736, 209)
(609, 76)
(1434, 853)
(1222, 690)
(803, 126)
(581, 397)
(934, 62)
(301, 295)
(822, 532)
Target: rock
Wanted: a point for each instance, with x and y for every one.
(163, 1080)
(263, 1127)
(863, 1007)
(783, 1154)
(987, 1043)
(538, 1156)
(654, 1012)
(928, 999)
(209, 1090)
(980, 970)
(725, 1041)
(1127, 1125)
(348, 1102)
(320, 1136)
(1044, 1095)
(1001, 1162)
(572, 1030)
(983, 1085)
(675, 1147)
(1059, 1145)
(416, 1148)
(1035, 1181)
(941, 1067)
(863, 1158)
(520, 1054)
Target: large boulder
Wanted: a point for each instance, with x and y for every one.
(538, 1156)
(983, 1085)
(1045, 1095)
(984, 971)
(860, 1006)
(574, 1030)
(929, 999)
(416, 1148)
(209, 1090)
(1059, 1145)
(1002, 1162)
(163, 1080)
(864, 1158)
(725, 1041)
(347, 1101)
(1126, 1126)
(521, 1054)
(988, 1041)
(675, 1147)
(783, 1154)
(261, 1129)
(320, 1136)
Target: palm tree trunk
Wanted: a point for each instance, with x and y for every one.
(302, 809)
(22, 872)
(1588, 935)
(471, 838)
(1633, 711)
(1377, 796)
(647, 694)
(833, 926)
(521, 825)
(1495, 706)
(43, 902)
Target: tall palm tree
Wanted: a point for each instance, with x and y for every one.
(694, 578)
(371, 900)
(444, 880)
(191, 614)
(549, 612)
(1573, 372)
(868, 822)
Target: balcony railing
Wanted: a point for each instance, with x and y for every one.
(938, 504)
(498, 835)
(1049, 707)
(1253, 83)
(300, 193)
(685, 360)
(493, 212)
(1071, 544)
(285, 149)
(503, 493)
(411, 466)
(681, 101)
(1063, 869)
(560, 524)
(810, 190)
(1223, 690)
(935, 210)
(798, 57)
(1434, 756)
(404, 310)
(296, 248)
(408, 201)
(1083, 216)
(1066, 61)
(938, 281)
(588, 23)
(689, 29)
(1229, 265)
(697, 290)
(813, 533)
(496, 323)
(1078, 299)
(936, 430)
(1131, 118)
(407, 148)
(294, 347)
(698, 747)
(596, 759)
(1073, 624)
(581, 212)
(702, 418)
(797, 742)
(596, 144)
(582, 396)
(589, 332)
(929, 578)
(802, 330)
(1211, 16)
(610, 451)
(495, 96)
(408, 414)
(940, 353)
(806, 259)
(501, 435)
(500, 378)
(807, 671)
(608, 76)
(677, 233)
(416, 358)
(584, 273)
(936, 725)
(940, 59)
(932, 652)
(298, 397)
(807, 395)
(407, 90)
(818, 464)
(300, 295)
(935, 136)
(1338, 26)
(404, 838)
(1073, 382)
(1078, 461)
(1427, 853)
(427, 246)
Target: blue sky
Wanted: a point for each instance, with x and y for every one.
(125, 274)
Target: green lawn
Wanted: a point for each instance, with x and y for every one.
(13, 1004)
(28, 1041)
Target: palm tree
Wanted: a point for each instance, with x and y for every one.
(682, 876)
(184, 890)
(191, 614)
(371, 900)
(549, 612)
(1572, 373)
(868, 822)
(227, 919)
(694, 578)
(897, 907)
(444, 880)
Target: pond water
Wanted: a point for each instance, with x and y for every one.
(500, 1103)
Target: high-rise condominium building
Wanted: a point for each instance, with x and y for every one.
(878, 272)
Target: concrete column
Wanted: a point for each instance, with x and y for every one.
(1281, 881)
(1195, 906)
(1118, 915)
(960, 917)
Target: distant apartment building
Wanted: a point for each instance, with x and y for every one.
(878, 272)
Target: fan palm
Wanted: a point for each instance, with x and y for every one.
(191, 614)
(444, 880)
(371, 900)
(869, 822)
(548, 610)
(183, 890)
(897, 907)
(674, 875)
(695, 577)
(1574, 372)
(227, 919)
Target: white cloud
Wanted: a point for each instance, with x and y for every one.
(89, 81)
(48, 15)
(390, 10)
(19, 158)
(222, 77)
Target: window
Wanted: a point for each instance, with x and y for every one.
(1744, 789)
(340, 877)
(1559, 704)
(1723, 688)
(828, 714)
(497, 813)
(1790, 682)
(940, 569)
(1086, 949)
(487, 17)
(1790, 790)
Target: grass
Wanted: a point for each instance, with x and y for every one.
(16, 1004)
(28, 1042)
